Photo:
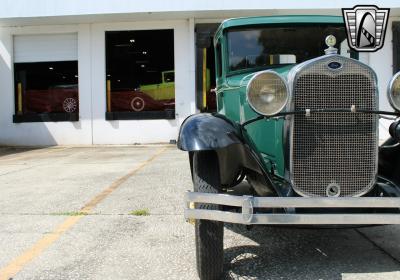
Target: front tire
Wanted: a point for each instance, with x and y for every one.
(209, 234)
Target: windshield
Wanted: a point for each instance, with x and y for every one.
(267, 47)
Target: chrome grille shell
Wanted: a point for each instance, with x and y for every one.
(338, 148)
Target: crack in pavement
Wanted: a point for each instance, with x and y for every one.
(19, 262)
(57, 160)
(19, 170)
(396, 260)
(31, 154)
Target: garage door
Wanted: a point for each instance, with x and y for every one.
(47, 47)
(46, 77)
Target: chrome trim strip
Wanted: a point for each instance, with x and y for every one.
(294, 219)
(389, 89)
(297, 202)
(248, 203)
(292, 77)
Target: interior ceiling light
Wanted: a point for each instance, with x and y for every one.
(132, 40)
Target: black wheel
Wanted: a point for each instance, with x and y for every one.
(209, 234)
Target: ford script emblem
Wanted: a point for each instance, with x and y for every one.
(334, 65)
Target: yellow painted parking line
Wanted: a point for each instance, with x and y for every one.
(101, 196)
(16, 265)
(31, 154)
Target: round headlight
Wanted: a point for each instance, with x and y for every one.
(394, 92)
(267, 93)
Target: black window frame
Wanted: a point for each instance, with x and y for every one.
(396, 46)
(31, 117)
(167, 114)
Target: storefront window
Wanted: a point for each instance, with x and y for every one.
(46, 77)
(140, 76)
(47, 87)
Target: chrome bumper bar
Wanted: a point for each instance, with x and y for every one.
(248, 203)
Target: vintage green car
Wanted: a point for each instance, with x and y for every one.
(163, 91)
(298, 119)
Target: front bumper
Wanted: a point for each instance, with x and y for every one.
(249, 204)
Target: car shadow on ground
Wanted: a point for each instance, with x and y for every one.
(301, 253)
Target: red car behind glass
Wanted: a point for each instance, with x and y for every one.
(65, 99)
(56, 99)
(129, 100)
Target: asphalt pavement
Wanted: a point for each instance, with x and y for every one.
(115, 212)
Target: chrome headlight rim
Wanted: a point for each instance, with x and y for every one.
(286, 88)
(389, 92)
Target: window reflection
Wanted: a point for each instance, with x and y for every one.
(46, 87)
(140, 70)
(273, 46)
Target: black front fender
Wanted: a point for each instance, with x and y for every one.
(205, 132)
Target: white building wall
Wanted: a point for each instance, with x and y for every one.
(142, 131)
(92, 127)
(44, 133)
(50, 8)
(42, 16)
(382, 63)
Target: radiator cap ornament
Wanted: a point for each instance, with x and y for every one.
(330, 41)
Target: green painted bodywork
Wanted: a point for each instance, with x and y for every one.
(265, 136)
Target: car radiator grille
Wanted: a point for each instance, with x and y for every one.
(334, 148)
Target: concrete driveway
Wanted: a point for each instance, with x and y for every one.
(74, 213)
